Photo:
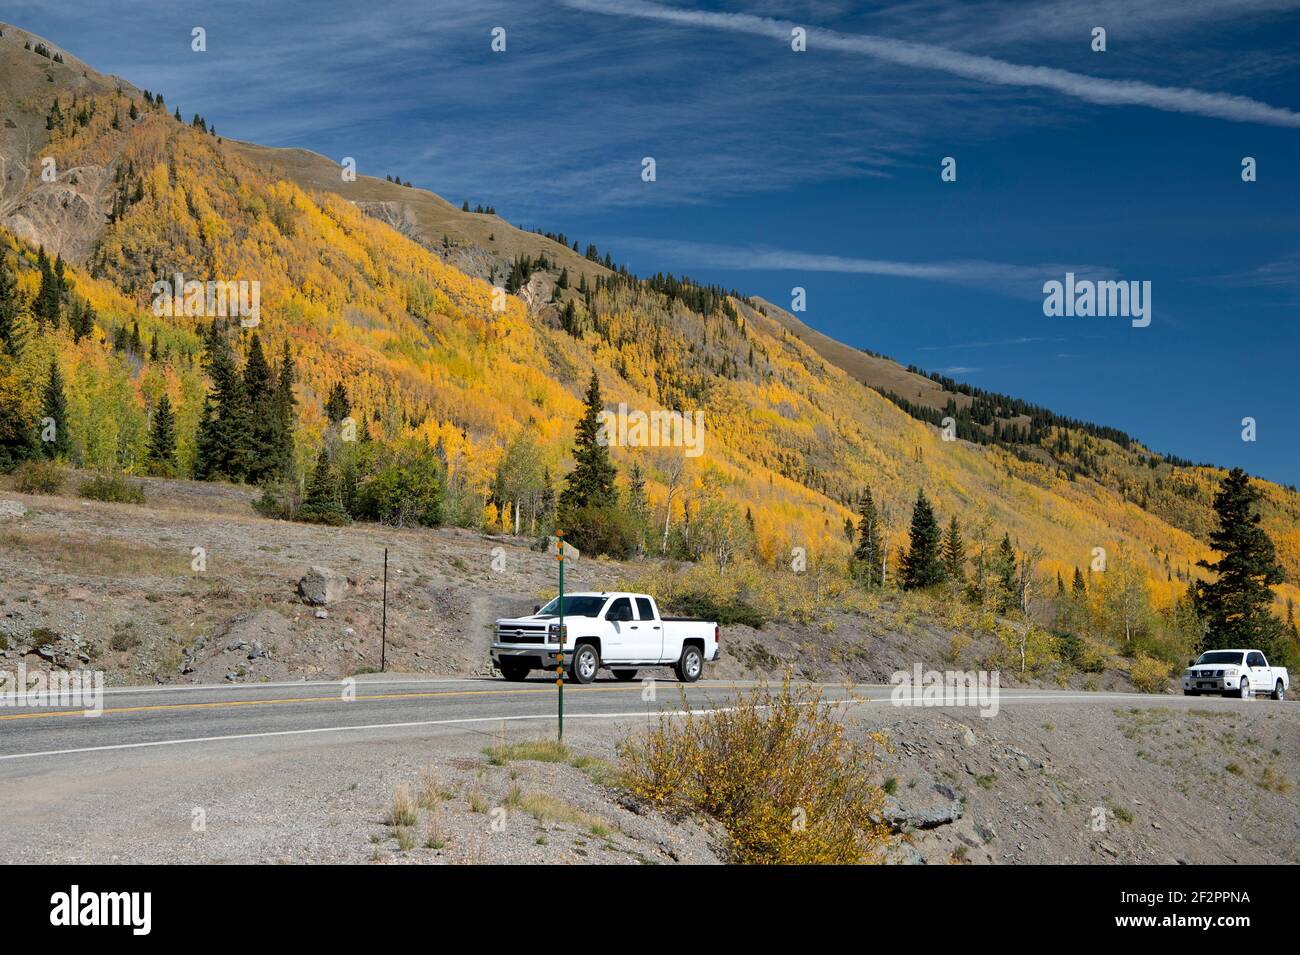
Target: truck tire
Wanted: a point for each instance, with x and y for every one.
(1244, 690)
(585, 664)
(625, 676)
(514, 672)
(691, 665)
(1279, 691)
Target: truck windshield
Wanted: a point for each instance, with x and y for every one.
(574, 607)
(1220, 656)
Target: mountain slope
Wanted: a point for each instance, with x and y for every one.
(357, 279)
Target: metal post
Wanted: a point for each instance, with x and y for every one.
(559, 672)
(383, 639)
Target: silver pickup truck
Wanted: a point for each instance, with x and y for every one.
(619, 631)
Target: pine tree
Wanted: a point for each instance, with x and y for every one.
(162, 440)
(322, 504)
(921, 566)
(10, 306)
(46, 306)
(283, 408)
(866, 555)
(338, 406)
(1003, 566)
(18, 440)
(954, 552)
(1235, 606)
(224, 438)
(591, 482)
(54, 416)
(1079, 587)
(259, 393)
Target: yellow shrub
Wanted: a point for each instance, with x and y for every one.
(777, 770)
(1149, 674)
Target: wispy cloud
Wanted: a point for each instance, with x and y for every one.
(1019, 281)
(969, 66)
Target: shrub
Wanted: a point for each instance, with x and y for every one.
(403, 493)
(1149, 674)
(778, 771)
(601, 530)
(113, 488)
(282, 501)
(726, 610)
(39, 477)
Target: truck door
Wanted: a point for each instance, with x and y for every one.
(650, 636)
(1257, 668)
(620, 631)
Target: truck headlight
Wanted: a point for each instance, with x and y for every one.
(558, 630)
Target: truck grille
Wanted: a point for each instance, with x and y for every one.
(521, 634)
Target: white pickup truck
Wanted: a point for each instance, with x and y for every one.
(1241, 673)
(620, 631)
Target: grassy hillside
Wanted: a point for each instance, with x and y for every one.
(360, 282)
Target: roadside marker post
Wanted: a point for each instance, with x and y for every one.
(559, 670)
(383, 633)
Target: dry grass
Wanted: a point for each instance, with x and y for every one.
(99, 557)
(402, 810)
(540, 750)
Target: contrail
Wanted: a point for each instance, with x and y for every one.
(1022, 281)
(985, 69)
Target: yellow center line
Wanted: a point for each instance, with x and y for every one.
(311, 699)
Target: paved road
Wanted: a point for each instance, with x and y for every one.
(194, 717)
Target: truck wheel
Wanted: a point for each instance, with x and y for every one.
(690, 665)
(515, 672)
(625, 676)
(1279, 691)
(586, 663)
(1244, 690)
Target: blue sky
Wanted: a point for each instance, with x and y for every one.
(821, 169)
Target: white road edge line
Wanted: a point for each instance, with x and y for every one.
(340, 729)
(503, 719)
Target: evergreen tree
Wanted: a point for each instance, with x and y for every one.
(322, 504)
(10, 306)
(1004, 568)
(162, 440)
(17, 437)
(1235, 606)
(1079, 587)
(867, 554)
(54, 416)
(283, 408)
(954, 552)
(46, 306)
(205, 443)
(921, 565)
(224, 430)
(263, 423)
(591, 482)
(338, 406)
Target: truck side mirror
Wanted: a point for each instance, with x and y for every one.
(1191, 663)
(536, 608)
